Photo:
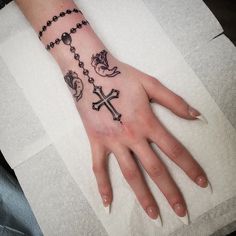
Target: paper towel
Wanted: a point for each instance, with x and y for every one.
(217, 70)
(176, 75)
(188, 23)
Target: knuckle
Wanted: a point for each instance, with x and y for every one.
(178, 99)
(193, 171)
(174, 197)
(97, 169)
(146, 200)
(177, 150)
(156, 171)
(130, 174)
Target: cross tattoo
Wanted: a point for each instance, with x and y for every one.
(105, 100)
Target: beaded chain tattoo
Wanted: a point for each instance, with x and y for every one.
(98, 61)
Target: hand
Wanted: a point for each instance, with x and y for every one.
(133, 136)
(139, 126)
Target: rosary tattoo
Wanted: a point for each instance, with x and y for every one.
(104, 100)
(100, 64)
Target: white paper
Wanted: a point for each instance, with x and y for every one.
(149, 49)
(188, 23)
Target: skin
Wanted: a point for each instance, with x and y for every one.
(129, 141)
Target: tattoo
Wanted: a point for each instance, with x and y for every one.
(73, 30)
(55, 18)
(101, 66)
(104, 99)
(74, 82)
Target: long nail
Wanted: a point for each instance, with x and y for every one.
(153, 214)
(106, 204)
(181, 213)
(108, 209)
(196, 114)
(204, 183)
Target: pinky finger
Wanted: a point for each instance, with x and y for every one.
(100, 171)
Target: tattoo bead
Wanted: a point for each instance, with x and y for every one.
(57, 41)
(51, 44)
(72, 49)
(68, 11)
(76, 56)
(73, 30)
(75, 10)
(55, 18)
(66, 38)
(85, 72)
(49, 23)
(44, 28)
(62, 14)
(84, 22)
(78, 25)
(91, 80)
(48, 47)
(81, 64)
(40, 33)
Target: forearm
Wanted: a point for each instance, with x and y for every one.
(40, 12)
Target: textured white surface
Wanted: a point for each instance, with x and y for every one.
(188, 23)
(212, 145)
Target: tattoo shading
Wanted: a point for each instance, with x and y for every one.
(74, 82)
(101, 66)
(71, 76)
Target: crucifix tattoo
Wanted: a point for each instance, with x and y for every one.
(105, 100)
(101, 66)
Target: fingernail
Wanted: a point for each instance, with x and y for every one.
(204, 183)
(196, 114)
(108, 209)
(185, 219)
(202, 118)
(153, 214)
(181, 212)
(158, 222)
(106, 204)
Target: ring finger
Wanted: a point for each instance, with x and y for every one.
(135, 179)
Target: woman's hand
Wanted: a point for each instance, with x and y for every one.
(131, 138)
(121, 121)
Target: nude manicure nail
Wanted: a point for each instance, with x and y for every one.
(106, 204)
(196, 114)
(204, 184)
(153, 214)
(184, 219)
(181, 210)
(158, 222)
(108, 209)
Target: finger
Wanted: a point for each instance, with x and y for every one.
(165, 97)
(160, 175)
(179, 154)
(99, 156)
(135, 179)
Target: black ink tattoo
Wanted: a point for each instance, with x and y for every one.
(55, 18)
(74, 82)
(101, 66)
(104, 99)
(72, 31)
